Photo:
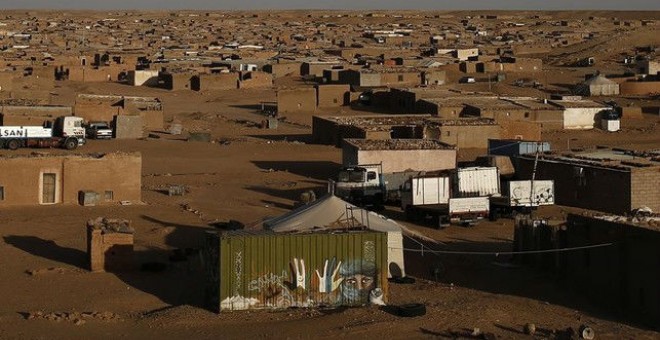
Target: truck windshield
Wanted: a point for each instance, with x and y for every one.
(351, 176)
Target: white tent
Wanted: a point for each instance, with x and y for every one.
(598, 85)
(331, 212)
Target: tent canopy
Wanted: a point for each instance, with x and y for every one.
(331, 212)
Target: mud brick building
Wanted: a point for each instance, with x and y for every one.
(176, 81)
(622, 277)
(254, 79)
(604, 180)
(398, 155)
(59, 179)
(332, 130)
(282, 69)
(143, 78)
(215, 81)
(640, 88)
(381, 77)
(105, 108)
(19, 115)
(109, 245)
(463, 133)
(333, 95)
(409, 100)
(301, 99)
(315, 68)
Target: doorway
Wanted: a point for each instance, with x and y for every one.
(48, 192)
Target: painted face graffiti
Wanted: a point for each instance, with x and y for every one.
(359, 280)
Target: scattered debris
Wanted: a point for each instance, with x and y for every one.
(111, 225)
(308, 196)
(529, 329)
(51, 270)
(587, 332)
(176, 190)
(199, 137)
(175, 129)
(230, 225)
(76, 318)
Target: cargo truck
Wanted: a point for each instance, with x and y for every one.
(428, 199)
(367, 185)
(65, 132)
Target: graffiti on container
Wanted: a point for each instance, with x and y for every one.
(238, 272)
(369, 250)
(334, 283)
(268, 280)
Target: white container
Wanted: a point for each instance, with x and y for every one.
(611, 125)
(522, 194)
(477, 181)
(429, 190)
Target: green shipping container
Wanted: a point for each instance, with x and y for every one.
(256, 270)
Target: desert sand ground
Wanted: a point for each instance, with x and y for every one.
(248, 174)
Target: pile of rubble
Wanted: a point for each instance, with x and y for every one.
(111, 225)
(641, 217)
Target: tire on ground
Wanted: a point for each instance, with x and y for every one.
(404, 280)
(411, 310)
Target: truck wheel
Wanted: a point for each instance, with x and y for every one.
(70, 144)
(494, 215)
(12, 144)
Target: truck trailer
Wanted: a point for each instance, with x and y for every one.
(65, 132)
(428, 199)
(522, 197)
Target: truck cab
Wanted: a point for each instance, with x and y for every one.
(361, 185)
(69, 126)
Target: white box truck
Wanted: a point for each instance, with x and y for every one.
(428, 199)
(65, 132)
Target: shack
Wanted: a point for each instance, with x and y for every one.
(53, 179)
(398, 155)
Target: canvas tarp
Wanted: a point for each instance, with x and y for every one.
(331, 212)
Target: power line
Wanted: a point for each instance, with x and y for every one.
(544, 251)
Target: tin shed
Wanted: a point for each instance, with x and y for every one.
(258, 270)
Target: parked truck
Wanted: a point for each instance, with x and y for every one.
(367, 185)
(428, 199)
(522, 197)
(65, 132)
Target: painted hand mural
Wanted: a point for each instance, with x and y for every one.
(350, 283)
(328, 282)
(298, 271)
